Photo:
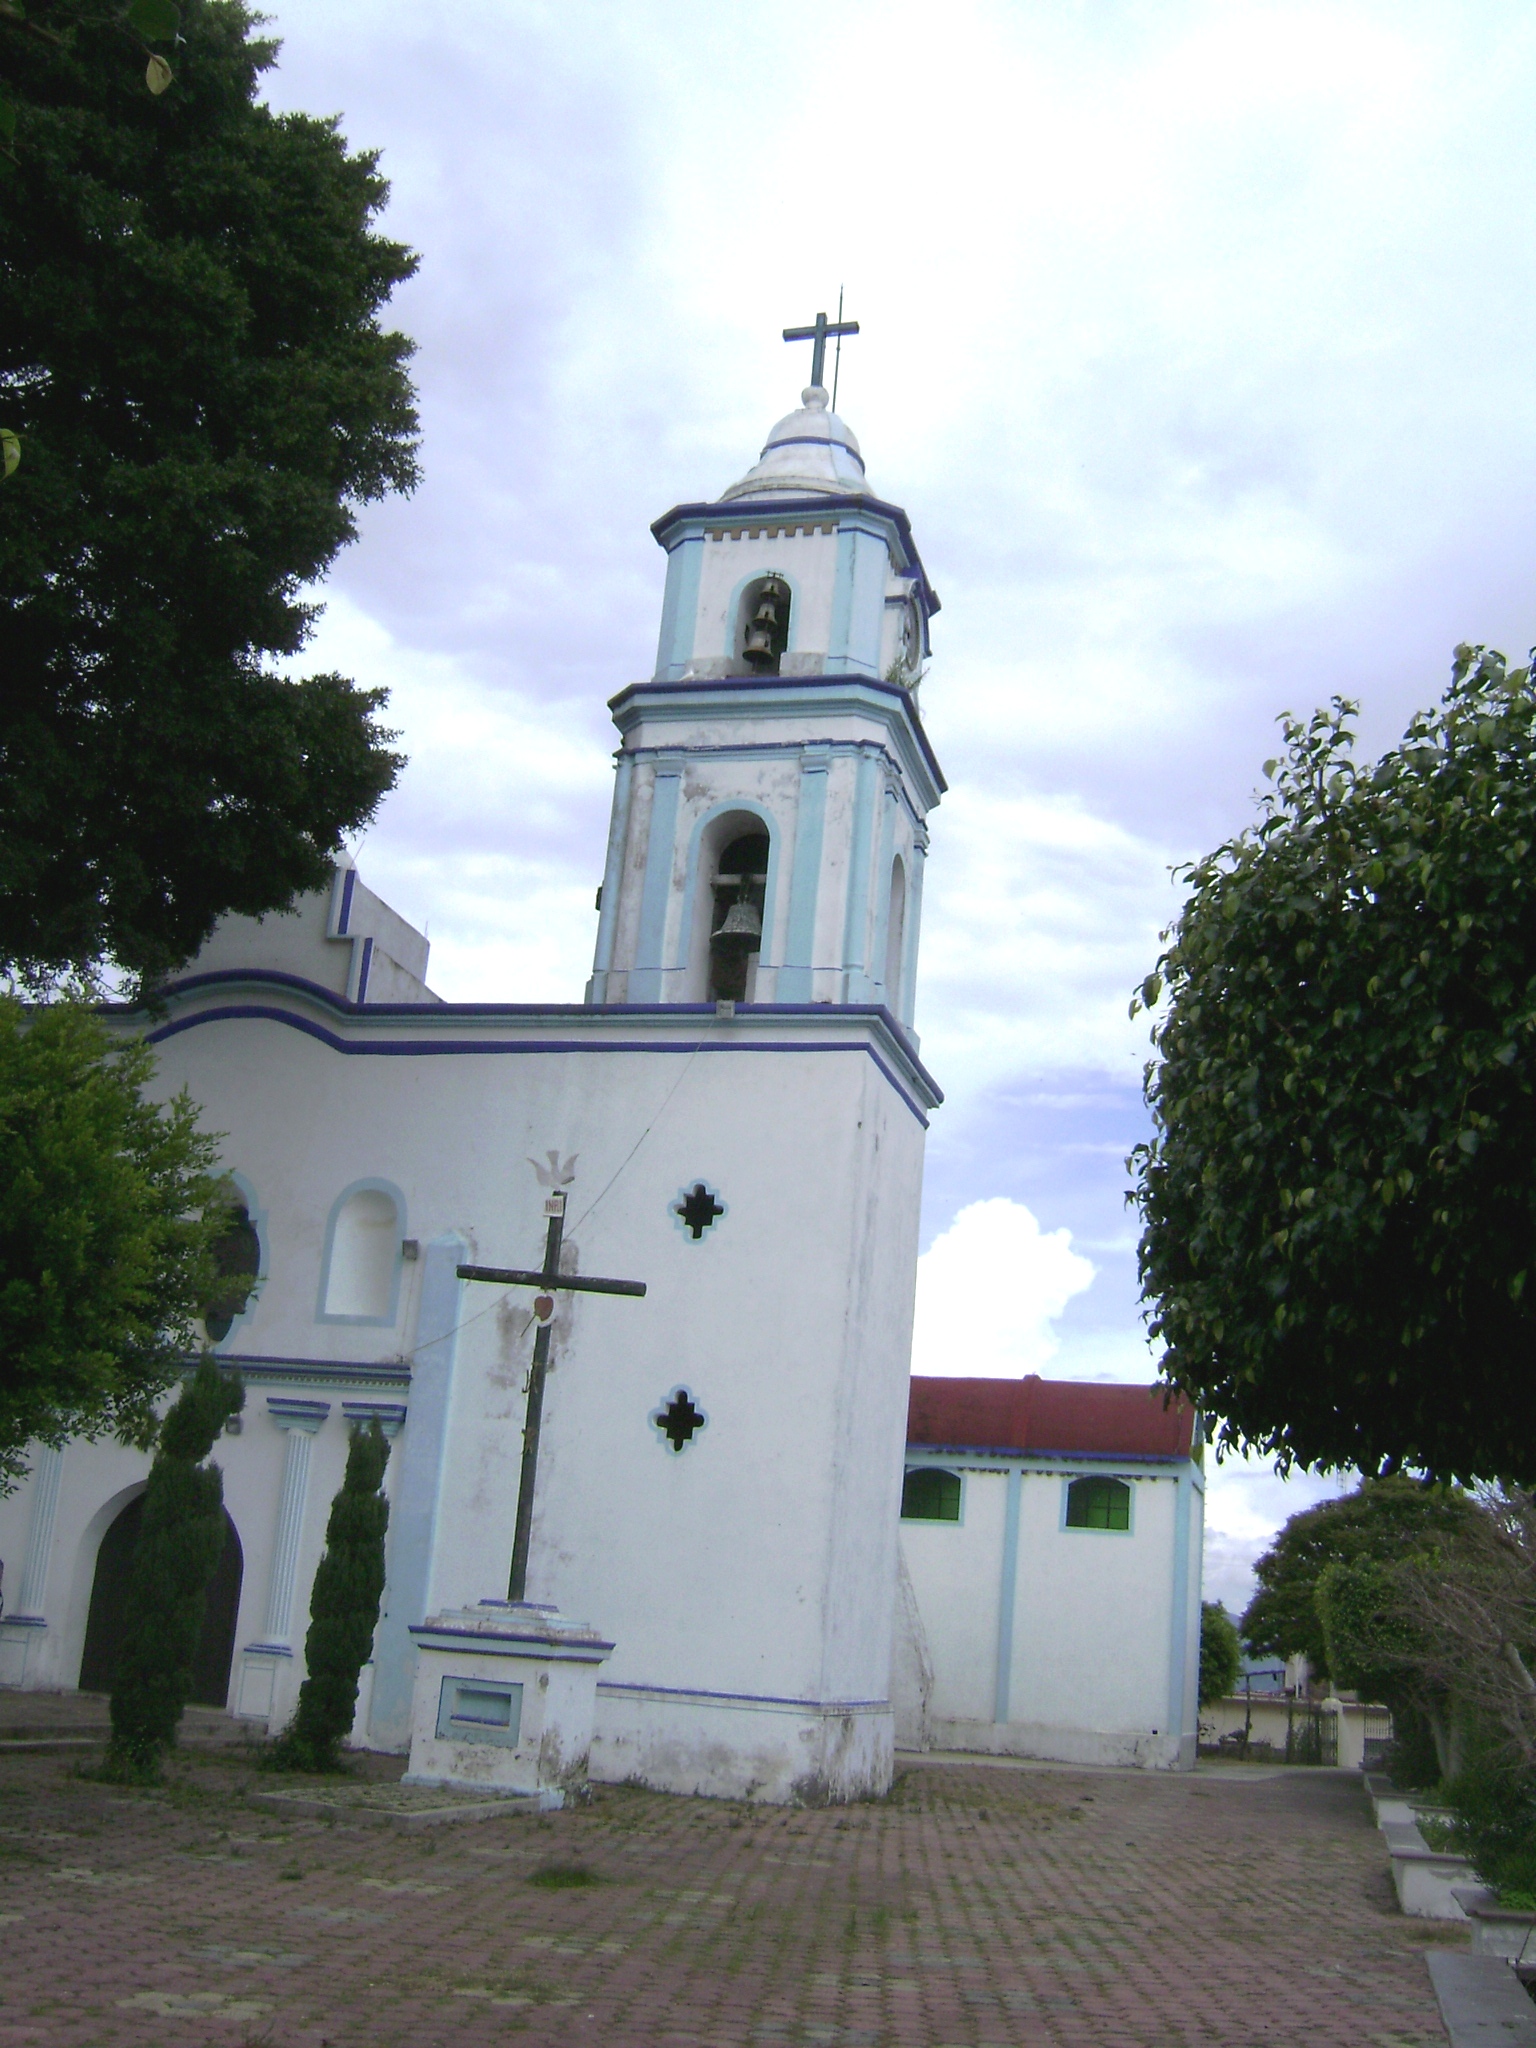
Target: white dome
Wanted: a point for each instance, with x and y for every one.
(809, 451)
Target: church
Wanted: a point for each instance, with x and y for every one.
(694, 1439)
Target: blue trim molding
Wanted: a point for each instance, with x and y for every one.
(1007, 1596)
(888, 1046)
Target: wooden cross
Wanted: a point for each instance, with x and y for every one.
(818, 332)
(548, 1280)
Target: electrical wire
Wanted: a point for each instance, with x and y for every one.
(468, 1322)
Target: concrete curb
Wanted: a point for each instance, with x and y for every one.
(319, 1808)
(1482, 2002)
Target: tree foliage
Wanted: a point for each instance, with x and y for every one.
(343, 1610)
(1221, 1653)
(1381, 1523)
(194, 375)
(1375, 1646)
(107, 1221)
(1340, 1585)
(1338, 1207)
(180, 1541)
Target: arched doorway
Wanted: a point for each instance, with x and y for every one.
(104, 1628)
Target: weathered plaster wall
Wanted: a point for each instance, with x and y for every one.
(760, 1561)
(1095, 1656)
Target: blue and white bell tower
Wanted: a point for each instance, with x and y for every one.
(774, 782)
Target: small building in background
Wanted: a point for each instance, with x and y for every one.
(1049, 1601)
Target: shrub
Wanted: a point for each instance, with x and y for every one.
(343, 1611)
(180, 1541)
(1494, 1803)
(1221, 1654)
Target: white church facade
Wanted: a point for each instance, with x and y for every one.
(735, 1117)
(739, 1109)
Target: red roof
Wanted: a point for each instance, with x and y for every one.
(1077, 1416)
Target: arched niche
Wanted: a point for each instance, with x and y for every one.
(360, 1278)
(729, 905)
(895, 935)
(108, 1610)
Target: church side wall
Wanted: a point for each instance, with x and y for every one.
(1096, 1639)
(880, 1259)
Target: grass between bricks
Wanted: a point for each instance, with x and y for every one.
(563, 1877)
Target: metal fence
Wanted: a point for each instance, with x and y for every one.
(1311, 1736)
(1378, 1735)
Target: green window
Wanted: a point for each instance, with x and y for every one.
(1098, 1504)
(929, 1495)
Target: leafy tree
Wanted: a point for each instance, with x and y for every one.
(180, 1541)
(194, 376)
(1382, 1522)
(1338, 1208)
(107, 1218)
(343, 1611)
(1221, 1654)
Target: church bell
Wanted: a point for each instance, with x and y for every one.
(741, 928)
(762, 643)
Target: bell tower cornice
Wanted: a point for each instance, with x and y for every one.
(840, 708)
(799, 518)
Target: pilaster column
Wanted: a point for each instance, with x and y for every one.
(45, 1502)
(645, 981)
(300, 1420)
(417, 1489)
(794, 985)
(613, 881)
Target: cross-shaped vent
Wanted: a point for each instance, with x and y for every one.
(698, 1209)
(679, 1421)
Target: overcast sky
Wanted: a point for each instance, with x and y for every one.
(1196, 341)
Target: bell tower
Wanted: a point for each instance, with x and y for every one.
(774, 780)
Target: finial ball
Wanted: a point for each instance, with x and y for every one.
(814, 398)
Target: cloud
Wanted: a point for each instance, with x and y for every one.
(1196, 342)
(1246, 1504)
(1039, 919)
(988, 1291)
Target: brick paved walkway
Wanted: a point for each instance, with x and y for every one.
(977, 1906)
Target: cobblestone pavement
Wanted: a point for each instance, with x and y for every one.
(976, 1906)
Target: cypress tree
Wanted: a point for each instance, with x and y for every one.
(180, 1542)
(343, 1611)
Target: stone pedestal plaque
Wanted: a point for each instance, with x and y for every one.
(506, 1693)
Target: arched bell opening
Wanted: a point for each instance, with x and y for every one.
(762, 625)
(109, 1591)
(737, 895)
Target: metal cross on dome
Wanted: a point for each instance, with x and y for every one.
(818, 332)
(549, 1280)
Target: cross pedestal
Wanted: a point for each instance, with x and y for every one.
(506, 1694)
